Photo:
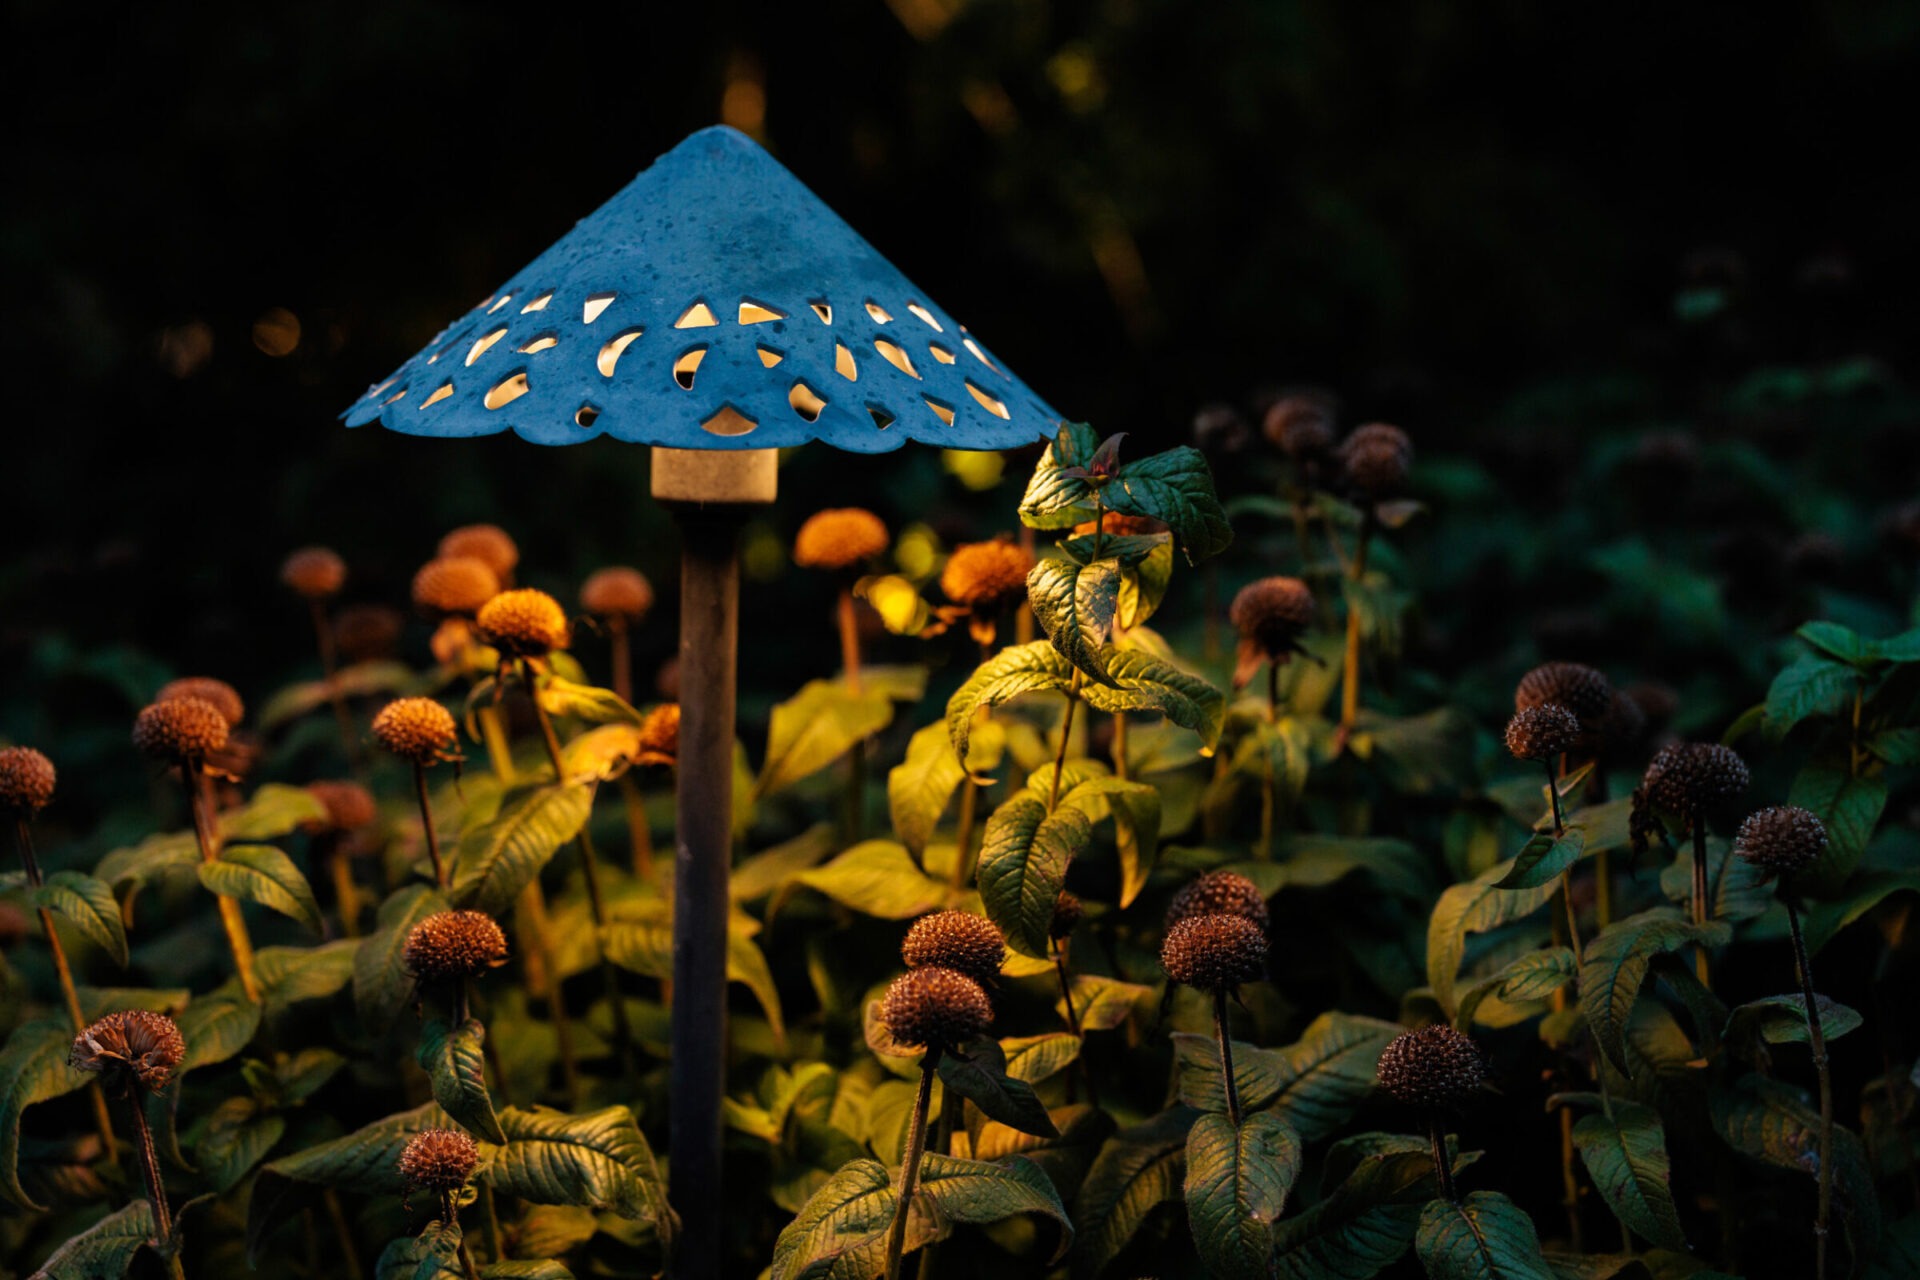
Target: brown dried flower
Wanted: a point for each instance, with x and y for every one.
(1579, 688)
(1436, 1068)
(364, 632)
(349, 806)
(454, 944)
(131, 1048)
(440, 1160)
(617, 592)
(935, 1008)
(1542, 732)
(455, 585)
(1783, 839)
(1376, 458)
(1215, 952)
(487, 543)
(1219, 893)
(1271, 613)
(1067, 913)
(839, 538)
(221, 694)
(26, 780)
(524, 623)
(180, 731)
(416, 729)
(314, 572)
(1301, 425)
(1689, 776)
(987, 575)
(957, 940)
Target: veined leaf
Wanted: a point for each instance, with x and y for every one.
(263, 874)
(1135, 810)
(1616, 964)
(977, 1071)
(597, 1160)
(1023, 866)
(1769, 1121)
(1625, 1151)
(877, 878)
(817, 726)
(646, 947)
(90, 905)
(104, 1249)
(1366, 1218)
(1484, 1237)
(1055, 499)
(453, 1060)
(273, 811)
(919, 788)
(841, 1232)
(1237, 1184)
(1175, 487)
(1016, 669)
(365, 1161)
(1475, 906)
(496, 861)
(1142, 682)
(977, 1191)
(1810, 685)
(291, 974)
(1544, 858)
(1036, 1058)
(33, 1068)
(1849, 807)
(1533, 976)
(381, 983)
(1138, 1170)
(585, 702)
(1076, 604)
(233, 1139)
(1104, 1003)
(1783, 1019)
(1315, 1083)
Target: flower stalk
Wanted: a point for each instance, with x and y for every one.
(910, 1162)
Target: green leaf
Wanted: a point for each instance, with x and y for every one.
(1783, 1019)
(1770, 1121)
(1625, 1151)
(1237, 1184)
(499, 859)
(1054, 499)
(976, 1191)
(1135, 810)
(597, 1160)
(1838, 642)
(33, 1068)
(1366, 1217)
(90, 905)
(1075, 605)
(1175, 487)
(1533, 976)
(977, 1071)
(815, 727)
(361, 680)
(1315, 1083)
(365, 1161)
(291, 974)
(1544, 858)
(1023, 867)
(646, 947)
(381, 983)
(1485, 1237)
(1810, 685)
(1896, 746)
(1473, 907)
(1104, 1003)
(235, 1138)
(261, 873)
(452, 1058)
(1738, 889)
(154, 858)
(1016, 669)
(840, 1234)
(104, 1249)
(1850, 807)
(1037, 1058)
(919, 788)
(1616, 964)
(1137, 1171)
(585, 702)
(215, 1029)
(273, 811)
(878, 878)
(1142, 682)
(1864, 892)
(1144, 585)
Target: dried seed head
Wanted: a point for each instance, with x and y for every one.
(1301, 425)
(1377, 458)
(1580, 689)
(439, 1160)
(1120, 525)
(180, 730)
(1689, 776)
(314, 572)
(134, 1047)
(986, 575)
(416, 729)
(363, 632)
(1219, 428)
(487, 543)
(1219, 893)
(839, 538)
(525, 623)
(455, 585)
(454, 944)
(1067, 913)
(617, 592)
(26, 780)
(660, 735)
(1435, 1067)
(1783, 839)
(221, 694)
(1272, 612)
(935, 1008)
(1542, 732)
(958, 940)
(1215, 953)
(349, 806)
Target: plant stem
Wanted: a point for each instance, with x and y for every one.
(150, 1169)
(1066, 734)
(1084, 1072)
(963, 841)
(1817, 1039)
(466, 1261)
(1442, 1162)
(343, 1234)
(495, 1241)
(426, 822)
(639, 830)
(330, 668)
(346, 897)
(910, 1163)
(1603, 887)
(1553, 794)
(1270, 796)
(622, 659)
(230, 918)
(1699, 894)
(1120, 745)
(1225, 1042)
(849, 628)
(1350, 686)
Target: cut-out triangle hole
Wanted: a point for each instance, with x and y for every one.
(610, 353)
(697, 316)
(687, 365)
(981, 356)
(824, 310)
(843, 363)
(940, 353)
(538, 304)
(729, 421)
(941, 411)
(594, 305)
(540, 342)
(506, 391)
(878, 312)
(481, 344)
(769, 356)
(987, 402)
(923, 314)
(895, 357)
(505, 298)
(806, 401)
(752, 312)
(445, 389)
(585, 415)
(401, 394)
(881, 418)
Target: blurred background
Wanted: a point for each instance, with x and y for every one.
(1570, 249)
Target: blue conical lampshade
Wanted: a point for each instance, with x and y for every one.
(714, 303)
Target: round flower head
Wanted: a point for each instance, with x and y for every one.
(221, 694)
(487, 543)
(986, 575)
(934, 1008)
(455, 585)
(439, 1160)
(1300, 425)
(134, 1047)
(416, 729)
(26, 780)
(1688, 776)
(1215, 953)
(839, 538)
(1782, 839)
(349, 806)
(1435, 1067)
(314, 572)
(1580, 689)
(180, 730)
(1219, 893)
(1542, 732)
(1272, 612)
(363, 632)
(957, 940)
(1067, 913)
(1376, 458)
(1219, 428)
(524, 623)
(454, 944)
(617, 592)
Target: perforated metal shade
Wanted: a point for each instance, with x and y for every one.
(714, 303)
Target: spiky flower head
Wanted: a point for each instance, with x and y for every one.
(1376, 458)
(1301, 425)
(617, 592)
(487, 543)
(839, 538)
(1542, 732)
(455, 586)
(1215, 952)
(1435, 1068)
(1782, 839)
(525, 623)
(935, 1008)
(987, 575)
(349, 806)
(1067, 913)
(26, 781)
(180, 730)
(314, 572)
(1219, 893)
(1689, 776)
(416, 729)
(131, 1048)
(957, 940)
(439, 1160)
(454, 944)
(1219, 428)
(1272, 613)
(1577, 687)
(363, 632)
(221, 694)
